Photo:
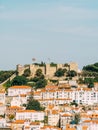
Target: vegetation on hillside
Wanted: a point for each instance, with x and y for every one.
(39, 79)
(4, 75)
(27, 72)
(60, 72)
(34, 105)
(91, 68)
(71, 73)
(18, 80)
(89, 75)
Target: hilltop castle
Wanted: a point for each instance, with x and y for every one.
(48, 70)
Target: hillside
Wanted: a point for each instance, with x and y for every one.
(91, 68)
(4, 75)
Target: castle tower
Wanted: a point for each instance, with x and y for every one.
(50, 70)
(20, 69)
(73, 66)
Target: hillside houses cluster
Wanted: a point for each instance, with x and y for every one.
(59, 111)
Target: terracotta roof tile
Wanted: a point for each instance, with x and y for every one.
(20, 87)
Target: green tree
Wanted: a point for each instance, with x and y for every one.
(80, 81)
(74, 103)
(89, 82)
(41, 83)
(60, 72)
(8, 84)
(38, 73)
(11, 117)
(77, 118)
(27, 72)
(4, 75)
(34, 105)
(52, 64)
(91, 85)
(35, 79)
(96, 79)
(54, 81)
(19, 80)
(46, 120)
(67, 66)
(39, 79)
(72, 73)
(91, 68)
(42, 63)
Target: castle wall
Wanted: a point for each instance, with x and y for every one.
(73, 66)
(34, 68)
(50, 70)
(47, 70)
(59, 66)
(20, 69)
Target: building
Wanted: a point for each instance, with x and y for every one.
(65, 119)
(12, 110)
(2, 97)
(17, 90)
(19, 100)
(2, 122)
(64, 95)
(32, 115)
(53, 118)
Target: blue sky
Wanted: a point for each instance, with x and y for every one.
(62, 30)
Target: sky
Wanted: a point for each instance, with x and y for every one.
(60, 31)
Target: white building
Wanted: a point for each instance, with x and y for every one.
(2, 109)
(53, 118)
(85, 96)
(2, 97)
(26, 125)
(62, 96)
(30, 114)
(19, 100)
(2, 122)
(65, 119)
(17, 90)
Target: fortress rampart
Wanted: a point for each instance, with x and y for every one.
(47, 70)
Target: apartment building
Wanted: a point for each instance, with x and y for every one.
(17, 90)
(63, 96)
(30, 114)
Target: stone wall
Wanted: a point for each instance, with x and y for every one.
(47, 70)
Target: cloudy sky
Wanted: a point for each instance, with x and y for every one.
(59, 30)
